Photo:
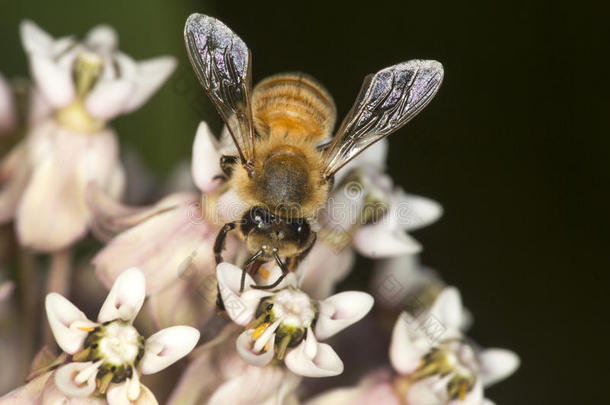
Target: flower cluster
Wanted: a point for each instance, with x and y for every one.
(270, 331)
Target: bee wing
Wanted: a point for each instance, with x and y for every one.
(221, 61)
(387, 101)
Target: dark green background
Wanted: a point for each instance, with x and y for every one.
(512, 146)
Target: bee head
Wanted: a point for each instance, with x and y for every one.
(265, 230)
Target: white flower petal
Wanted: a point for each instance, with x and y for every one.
(324, 363)
(54, 81)
(125, 297)
(65, 379)
(102, 38)
(65, 319)
(107, 99)
(254, 386)
(412, 212)
(381, 241)
(405, 350)
(447, 310)
(150, 75)
(340, 311)
(206, 159)
(244, 348)
(33, 38)
(168, 346)
(239, 306)
(497, 364)
(146, 397)
(118, 394)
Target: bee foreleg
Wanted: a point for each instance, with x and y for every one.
(219, 244)
(284, 269)
(245, 268)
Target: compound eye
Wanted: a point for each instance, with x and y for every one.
(302, 229)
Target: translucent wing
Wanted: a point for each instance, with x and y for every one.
(221, 61)
(387, 101)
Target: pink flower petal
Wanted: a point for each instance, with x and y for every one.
(66, 379)
(244, 345)
(54, 198)
(29, 393)
(161, 245)
(110, 216)
(8, 112)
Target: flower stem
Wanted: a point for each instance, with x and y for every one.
(30, 293)
(60, 272)
(58, 281)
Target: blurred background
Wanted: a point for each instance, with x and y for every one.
(512, 147)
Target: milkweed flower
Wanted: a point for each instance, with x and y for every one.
(286, 324)
(433, 362)
(85, 84)
(108, 356)
(171, 241)
(234, 381)
(366, 213)
(8, 108)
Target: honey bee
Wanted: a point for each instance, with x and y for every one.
(286, 158)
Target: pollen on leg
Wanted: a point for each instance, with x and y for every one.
(259, 330)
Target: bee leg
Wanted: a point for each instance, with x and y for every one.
(284, 269)
(245, 268)
(219, 244)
